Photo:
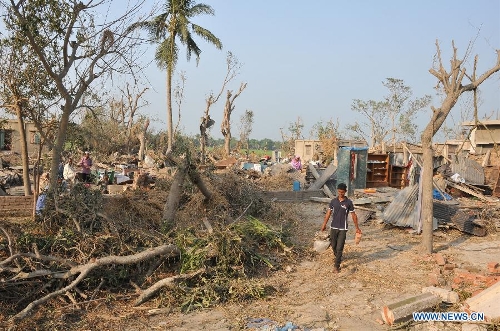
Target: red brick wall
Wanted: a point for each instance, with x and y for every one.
(16, 206)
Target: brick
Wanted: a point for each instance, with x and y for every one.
(440, 260)
(491, 280)
(493, 265)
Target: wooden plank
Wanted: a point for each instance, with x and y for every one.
(292, 195)
(471, 192)
(496, 189)
(364, 201)
(486, 159)
(487, 302)
(325, 188)
(321, 180)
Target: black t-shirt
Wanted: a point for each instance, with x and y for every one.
(340, 211)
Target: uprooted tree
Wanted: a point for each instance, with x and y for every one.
(451, 82)
(85, 249)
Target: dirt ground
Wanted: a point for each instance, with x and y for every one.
(385, 267)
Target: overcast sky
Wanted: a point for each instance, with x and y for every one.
(310, 59)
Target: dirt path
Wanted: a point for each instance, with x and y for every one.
(386, 267)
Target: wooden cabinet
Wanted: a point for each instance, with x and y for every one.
(397, 177)
(377, 173)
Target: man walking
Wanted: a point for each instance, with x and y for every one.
(339, 209)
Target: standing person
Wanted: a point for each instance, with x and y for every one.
(69, 173)
(339, 209)
(86, 164)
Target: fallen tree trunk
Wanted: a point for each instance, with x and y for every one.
(83, 270)
(174, 196)
(195, 178)
(149, 292)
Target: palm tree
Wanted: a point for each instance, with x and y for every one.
(175, 23)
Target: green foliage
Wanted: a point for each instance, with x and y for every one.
(229, 255)
(393, 118)
(402, 110)
(81, 205)
(175, 22)
(328, 133)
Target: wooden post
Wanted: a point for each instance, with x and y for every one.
(403, 310)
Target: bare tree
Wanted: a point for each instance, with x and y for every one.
(377, 127)
(402, 110)
(296, 128)
(233, 66)
(450, 81)
(226, 120)
(140, 129)
(246, 123)
(129, 111)
(74, 49)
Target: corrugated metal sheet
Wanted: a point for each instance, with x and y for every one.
(461, 219)
(470, 170)
(401, 211)
(443, 210)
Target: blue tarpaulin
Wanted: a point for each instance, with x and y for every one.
(438, 196)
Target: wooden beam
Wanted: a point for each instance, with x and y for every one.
(486, 302)
(471, 192)
(403, 310)
(325, 175)
(319, 179)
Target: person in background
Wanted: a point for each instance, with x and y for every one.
(296, 163)
(69, 173)
(43, 185)
(60, 170)
(339, 209)
(86, 164)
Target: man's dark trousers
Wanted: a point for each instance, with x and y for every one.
(337, 241)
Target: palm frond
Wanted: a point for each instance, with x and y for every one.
(164, 55)
(207, 35)
(200, 9)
